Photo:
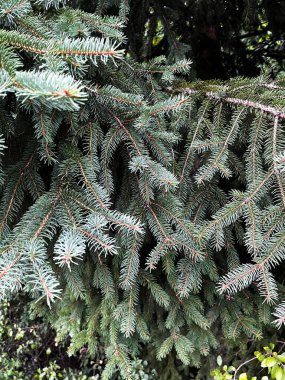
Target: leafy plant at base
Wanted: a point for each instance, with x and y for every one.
(272, 360)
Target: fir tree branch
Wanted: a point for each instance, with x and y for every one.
(189, 148)
(48, 214)
(10, 203)
(274, 154)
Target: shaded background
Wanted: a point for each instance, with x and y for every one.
(224, 38)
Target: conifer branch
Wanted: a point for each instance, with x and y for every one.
(13, 195)
(274, 154)
(48, 215)
(200, 120)
(236, 101)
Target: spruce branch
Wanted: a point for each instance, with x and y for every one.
(49, 89)
(279, 313)
(51, 3)
(110, 26)
(5, 82)
(9, 61)
(220, 96)
(274, 154)
(14, 189)
(11, 10)
(80, 49)
(69, 248)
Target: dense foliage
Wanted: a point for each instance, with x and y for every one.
(143, 209)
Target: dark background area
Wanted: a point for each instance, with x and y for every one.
(223, 38)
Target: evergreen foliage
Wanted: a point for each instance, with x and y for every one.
(141, 208)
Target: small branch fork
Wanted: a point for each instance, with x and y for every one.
(242, 364)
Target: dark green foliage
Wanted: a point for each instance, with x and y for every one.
(142, 209)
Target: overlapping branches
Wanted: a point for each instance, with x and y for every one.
(116, 188)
